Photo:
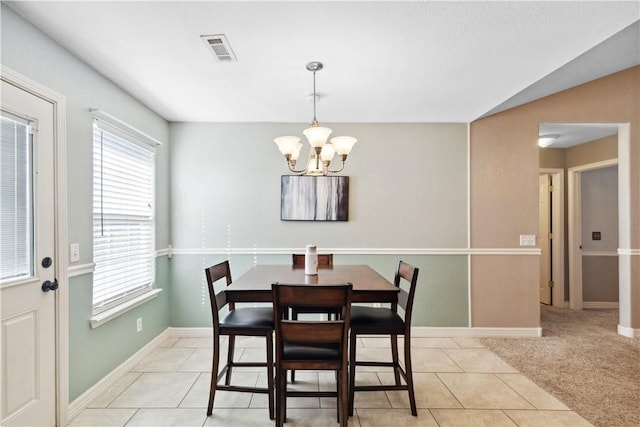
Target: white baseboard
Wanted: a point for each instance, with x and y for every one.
(82, 401)
(191, 332)
(600, 304)
(431, 332)
(85, 398)
(628, 332)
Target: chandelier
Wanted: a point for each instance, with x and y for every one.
(321, 152)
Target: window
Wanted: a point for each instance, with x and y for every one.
(16, 195)
(123, 216)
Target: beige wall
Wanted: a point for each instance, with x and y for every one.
(503, 196)
(592, 152)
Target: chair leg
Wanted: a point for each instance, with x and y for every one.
(214, 373)
(339, 415)
(270, 375)
(409, 374)
(280, 384)
(294, 316)
(352, 370)
(394, 357)
(282, 399)
(344, 399)
(230, 354)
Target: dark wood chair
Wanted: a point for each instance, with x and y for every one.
(250, 321)
(386, 321)
(315, 345)
(324, 261)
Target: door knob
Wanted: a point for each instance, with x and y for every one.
(48, 285)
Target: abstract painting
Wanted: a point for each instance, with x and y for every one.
(314, 198)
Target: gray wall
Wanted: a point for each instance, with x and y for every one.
(408, 200)
(600, 213)
(93, 353)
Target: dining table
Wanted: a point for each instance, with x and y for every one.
(368, 285)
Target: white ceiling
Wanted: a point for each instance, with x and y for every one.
(384, 61)
(570, 134)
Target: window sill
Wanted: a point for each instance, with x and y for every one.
(105, 316)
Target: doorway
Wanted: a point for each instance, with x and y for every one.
(589, 247)
(33, 277)
(570, 144)
(551, 236)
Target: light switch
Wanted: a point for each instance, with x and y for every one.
(527, 240)
(74, 252)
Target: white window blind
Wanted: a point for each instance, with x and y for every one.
(16, 198)
(123, 218)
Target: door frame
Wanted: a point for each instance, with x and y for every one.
(557, 243)
(60, 220)
(575, 228)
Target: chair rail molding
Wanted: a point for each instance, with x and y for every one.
(359, 251)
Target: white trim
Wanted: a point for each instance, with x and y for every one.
(81, 269)
(434, 332)
(163, 252)
(504, 251)
(59, 103)
(191, 332)
(600, 304)
(628, 332)
(359, 251)
(76, 270)
(117, 125)
(468, 171)
(600, 253)
(628, 252)
(82, 401)
(103, 317)
(85, 399)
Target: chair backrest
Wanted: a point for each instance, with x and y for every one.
(324, 260)
(324, 332)
(408, 273)
(219, 300)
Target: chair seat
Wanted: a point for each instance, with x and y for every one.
(383, 320)
(250, 317)
(293, 351)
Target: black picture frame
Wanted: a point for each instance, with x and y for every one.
(314, 198)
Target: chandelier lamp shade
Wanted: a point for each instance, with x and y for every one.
(321, 152)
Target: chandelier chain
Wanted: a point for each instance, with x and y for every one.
(315, 121)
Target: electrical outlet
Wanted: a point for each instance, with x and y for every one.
(74, 252)
(527, 240)
(139, 324)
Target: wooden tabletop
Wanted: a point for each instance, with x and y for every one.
(255, 284)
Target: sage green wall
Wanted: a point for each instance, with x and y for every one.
(408, 200)
(93, 353)
(441, 297)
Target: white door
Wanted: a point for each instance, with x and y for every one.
(544, 232)
(28, 327)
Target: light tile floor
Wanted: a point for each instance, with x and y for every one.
(457, 383)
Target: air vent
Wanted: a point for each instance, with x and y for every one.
(220, 47)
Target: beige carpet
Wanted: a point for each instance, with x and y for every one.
(583, 362)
